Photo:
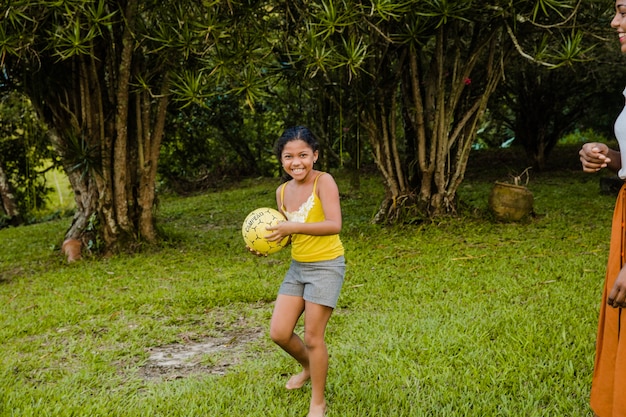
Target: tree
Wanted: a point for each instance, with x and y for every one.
(541, 104)
(224, 140)
(424, 71)
(102, 74)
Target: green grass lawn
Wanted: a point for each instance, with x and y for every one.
(462, 317)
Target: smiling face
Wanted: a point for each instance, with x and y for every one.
(619, 22)
(298, 158)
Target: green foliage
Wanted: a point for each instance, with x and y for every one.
(579, 137)
(466, 317)
(24, 152)
(442, 11)
(217, 142)
(549, 6)
(416, 75)
(536, 102)
(315, 63)
(84, 158)
(102, 73)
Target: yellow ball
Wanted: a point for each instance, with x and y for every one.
(254, 230)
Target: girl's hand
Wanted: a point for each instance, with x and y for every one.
(617, 296)
(259, 254)
(280, 231)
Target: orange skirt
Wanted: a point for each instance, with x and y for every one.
(608, 388)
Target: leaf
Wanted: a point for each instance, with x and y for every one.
(355, 55)
(187, 88)
(546, 5)
(442, 11)
(332, 19)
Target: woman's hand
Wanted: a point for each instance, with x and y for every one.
(594, 156)
(617, 296)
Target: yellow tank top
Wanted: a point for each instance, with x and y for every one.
(308, 248)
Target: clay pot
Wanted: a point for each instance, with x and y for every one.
(510, 202)
(71, 249)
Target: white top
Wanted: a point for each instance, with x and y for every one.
(302, 213)
(620, 134)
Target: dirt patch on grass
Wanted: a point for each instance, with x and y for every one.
(7, 276)
(209, 355)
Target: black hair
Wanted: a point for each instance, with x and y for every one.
(294, 133)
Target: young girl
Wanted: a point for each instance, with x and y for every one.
(310, 201)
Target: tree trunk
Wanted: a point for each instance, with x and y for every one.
(543, 110)
(442, 108)
(149, 149)
(109, 138)
(84, 223)
(380, 122)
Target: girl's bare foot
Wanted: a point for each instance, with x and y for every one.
(297, 381)
(317, 410)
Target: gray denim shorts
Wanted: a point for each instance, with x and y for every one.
(317, 282)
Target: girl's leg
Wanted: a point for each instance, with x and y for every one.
(316, 317)
(287, 311)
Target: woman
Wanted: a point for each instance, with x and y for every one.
(609, 376)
